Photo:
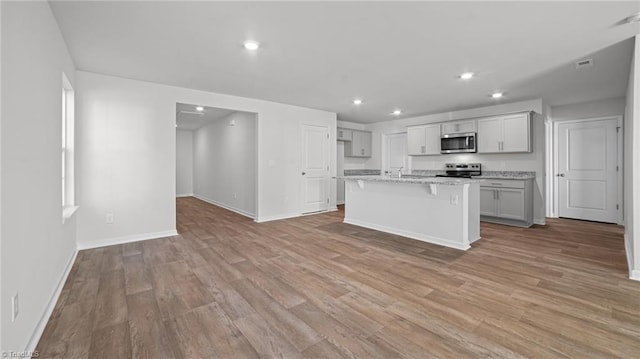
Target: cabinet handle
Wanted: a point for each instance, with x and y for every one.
(340, 134)
(457, 127)
(362, 151)
(423, 149)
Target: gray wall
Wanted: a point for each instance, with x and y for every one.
(225, 162)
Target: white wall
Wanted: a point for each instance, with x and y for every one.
(591, 109)
(225, 162)
(36, 246)
(128, 144)
(632, 165)
(184, 163)
(533, 161)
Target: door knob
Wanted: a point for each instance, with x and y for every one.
(304, 173)
(560, 175)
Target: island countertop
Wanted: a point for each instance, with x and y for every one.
(411, 179)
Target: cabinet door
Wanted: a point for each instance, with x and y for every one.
(511, 203)
(489, 135)
(356, 145)
(488, 201)
(416, 140)
(345, 135)
(466, 126)
(432, 140)
(459, 126)
(366, 144)
(449, 127)
(516, 133)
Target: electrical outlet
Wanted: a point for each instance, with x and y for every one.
(109, 218)
(15, 307)
(235, 195)
(454, 199)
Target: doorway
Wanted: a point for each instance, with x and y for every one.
(216, 157)
(588, 171)
(395, 153)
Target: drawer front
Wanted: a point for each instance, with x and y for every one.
(495, 183)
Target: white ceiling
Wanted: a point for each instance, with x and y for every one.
(188, 118)
(392, 55)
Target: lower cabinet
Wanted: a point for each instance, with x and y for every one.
(507, 202)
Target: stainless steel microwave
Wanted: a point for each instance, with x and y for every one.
(458, 142)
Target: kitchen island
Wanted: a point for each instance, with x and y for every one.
(443, 211)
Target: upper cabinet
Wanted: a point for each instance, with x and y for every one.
(360, 144)
(423, 140)
(508, 133)
(344, 134)
(459, 127)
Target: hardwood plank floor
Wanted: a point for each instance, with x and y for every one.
(315, 287)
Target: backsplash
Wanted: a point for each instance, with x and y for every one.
(427, 172)
(361, 172)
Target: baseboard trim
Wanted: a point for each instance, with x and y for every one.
(408, 234)
(276, 218)
(44, 319)
(184, 195)
(633, 274)
(232, 209)
(540, 221)
(126, 239)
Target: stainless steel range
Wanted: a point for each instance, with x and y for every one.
(462, 170)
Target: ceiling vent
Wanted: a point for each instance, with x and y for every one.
(584, 63)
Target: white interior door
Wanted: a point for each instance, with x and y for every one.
(315, 168)
(395, 152)
(587, 170)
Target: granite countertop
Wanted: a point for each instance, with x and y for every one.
(507, 175)
(504, 175)
(419, 180)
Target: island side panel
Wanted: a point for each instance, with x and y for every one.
(411, 210)
(473, 204)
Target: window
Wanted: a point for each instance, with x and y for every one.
(68, 154)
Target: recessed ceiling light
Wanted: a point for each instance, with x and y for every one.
(251, 45)
(466, 75)
(497, 95)
(199, 108)
(357, 101)
(396, 112)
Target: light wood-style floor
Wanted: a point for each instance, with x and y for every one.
(314, 287)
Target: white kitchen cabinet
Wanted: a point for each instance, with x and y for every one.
(423, 140)
(508, 133)
(507, 202)
(360, 145)
(344, 134)
(458, 127)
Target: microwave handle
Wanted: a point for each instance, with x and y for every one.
(467, 141)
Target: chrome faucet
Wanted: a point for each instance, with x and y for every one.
(400, 172)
